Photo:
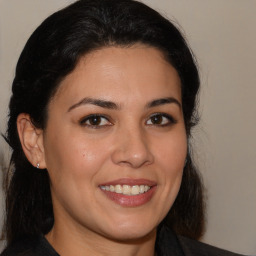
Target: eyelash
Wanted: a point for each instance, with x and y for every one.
(95, 126)
(168, 119)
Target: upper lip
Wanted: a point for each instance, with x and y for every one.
(130, 182)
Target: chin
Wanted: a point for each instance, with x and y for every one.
(125, 233)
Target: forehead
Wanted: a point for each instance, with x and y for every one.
(117, 71)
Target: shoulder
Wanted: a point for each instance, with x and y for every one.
(195, 248)
(30, 246)
(20, 247)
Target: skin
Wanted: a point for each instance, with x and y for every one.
(126, 142)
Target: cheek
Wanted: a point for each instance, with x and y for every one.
(170, 155)
(73, 158)
(171, 152)
(73, 166)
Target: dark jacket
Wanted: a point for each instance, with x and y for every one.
(194, 248)
(167, 244)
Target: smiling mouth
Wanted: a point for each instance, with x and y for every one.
(127, 189)
(129, 192)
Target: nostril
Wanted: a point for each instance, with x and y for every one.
(133, 158)
(132, 148)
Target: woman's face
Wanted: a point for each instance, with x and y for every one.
(115, 143)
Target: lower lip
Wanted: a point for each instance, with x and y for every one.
(131, 201)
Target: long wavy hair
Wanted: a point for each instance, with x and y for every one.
(50, 54)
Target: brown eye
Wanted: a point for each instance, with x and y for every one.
(161, 120)
(95, 121)
(157, 119)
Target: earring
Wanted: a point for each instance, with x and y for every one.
(37, 165)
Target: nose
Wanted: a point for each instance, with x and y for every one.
(132, 149)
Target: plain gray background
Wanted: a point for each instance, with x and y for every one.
(223, 36)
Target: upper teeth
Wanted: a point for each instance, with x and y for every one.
(126, 189)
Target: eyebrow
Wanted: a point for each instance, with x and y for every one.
(111, 105)
(96, 102)
(163, 101)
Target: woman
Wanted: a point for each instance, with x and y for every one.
(104, 100)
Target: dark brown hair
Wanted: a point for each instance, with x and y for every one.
(51, 53)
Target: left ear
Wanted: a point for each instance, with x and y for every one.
(31, 139)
